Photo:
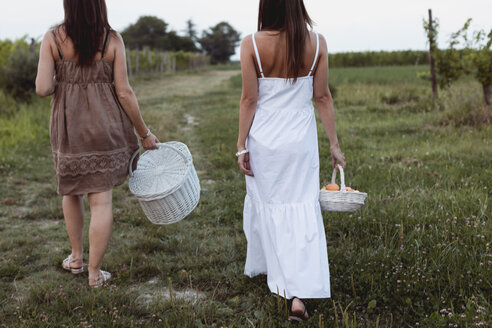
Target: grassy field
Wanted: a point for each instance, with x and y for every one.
(417, 255)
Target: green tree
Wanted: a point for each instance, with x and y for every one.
(151, 31)
(6, 47)
(190, 30)
(480, 59)
(220, 42)
(191, 33)
(19, 73)
(178, 43)
(148, 31)
(468, 52)
(450, 62)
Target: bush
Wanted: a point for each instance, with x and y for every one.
(19, 73)
(8, 105)
(6, 47)
(465, 108)
(182, 60)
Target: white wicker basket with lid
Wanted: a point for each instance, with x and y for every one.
(342, 200)
(165, 182)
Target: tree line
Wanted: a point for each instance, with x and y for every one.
(219, 41)
(379, 58)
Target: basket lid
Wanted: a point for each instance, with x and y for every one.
(160, 172)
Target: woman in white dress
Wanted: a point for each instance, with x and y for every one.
(284, 67)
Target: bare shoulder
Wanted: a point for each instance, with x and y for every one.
(53, 32)
(323, 46)
(117, 38)
(48, 36)
(48, 42)
(247, 43)
(247, 40)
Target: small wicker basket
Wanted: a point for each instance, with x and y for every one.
(343, 200)
(165, 182)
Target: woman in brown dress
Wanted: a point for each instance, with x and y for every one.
(94, 112)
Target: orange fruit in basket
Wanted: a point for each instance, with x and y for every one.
(332, 187)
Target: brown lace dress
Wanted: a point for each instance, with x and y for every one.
(92, 138)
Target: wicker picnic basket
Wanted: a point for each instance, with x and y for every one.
(343, 200)
(165, 182)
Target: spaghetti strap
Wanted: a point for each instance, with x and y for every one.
(257, 56)
(57, 44)
(315, 56)
(106, 43)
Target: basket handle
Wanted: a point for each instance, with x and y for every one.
(342, 177)
(160, 145)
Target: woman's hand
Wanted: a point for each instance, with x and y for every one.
(243, 162)
(337, 156)
(150, 142)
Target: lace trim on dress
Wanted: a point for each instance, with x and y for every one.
(90, 163)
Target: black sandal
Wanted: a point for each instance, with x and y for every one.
(299, 316)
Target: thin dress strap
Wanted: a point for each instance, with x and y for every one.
(57, 44)
(257, 56)
(106, 43)
(316, 56)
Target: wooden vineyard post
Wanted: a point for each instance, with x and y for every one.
(432, 47)
(163, 62)
(149, 59)
(144, 55)
(136, 61)
(129, 62)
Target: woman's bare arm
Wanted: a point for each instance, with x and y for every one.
(45, 79)
(249, 99)
(324, 103)
(126, 95)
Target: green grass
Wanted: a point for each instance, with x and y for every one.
(417, 255)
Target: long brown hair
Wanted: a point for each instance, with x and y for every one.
(289, 16)
(86, 23)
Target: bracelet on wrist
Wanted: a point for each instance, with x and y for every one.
(244, 151)
(145, 136)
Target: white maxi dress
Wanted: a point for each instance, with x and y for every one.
(282, 216)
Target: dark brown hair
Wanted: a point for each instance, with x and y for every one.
(86, 23)
(289, 16)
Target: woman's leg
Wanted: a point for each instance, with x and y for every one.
(99, 229)
(73, 211)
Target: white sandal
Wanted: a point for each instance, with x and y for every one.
(67, 265)
(100, 280)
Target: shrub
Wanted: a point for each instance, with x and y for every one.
(6, 47)
(182, 60)
(8, 105)
(19, 73)
(465, 108)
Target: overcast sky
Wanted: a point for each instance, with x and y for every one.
(351, 25)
